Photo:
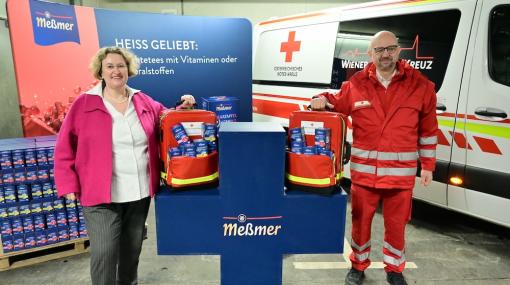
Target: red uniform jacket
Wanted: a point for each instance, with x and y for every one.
(386, 146)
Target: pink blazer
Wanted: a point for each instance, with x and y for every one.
(83, 153)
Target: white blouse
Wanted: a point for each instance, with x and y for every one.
(130, 177)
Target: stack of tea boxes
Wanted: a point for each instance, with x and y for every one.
(31, 214)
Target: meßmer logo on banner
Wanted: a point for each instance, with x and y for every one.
(53, 23)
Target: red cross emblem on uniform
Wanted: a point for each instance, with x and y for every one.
(290, 46)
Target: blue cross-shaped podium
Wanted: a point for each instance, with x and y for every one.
(248, 219)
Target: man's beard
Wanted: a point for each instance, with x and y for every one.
(386, 64)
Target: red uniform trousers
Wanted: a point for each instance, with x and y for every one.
(396, 206)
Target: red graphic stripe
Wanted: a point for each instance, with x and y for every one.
(283, 96)
(275, 109)
(441, 138)
(460, 140)
(487, 145)
(291, 18)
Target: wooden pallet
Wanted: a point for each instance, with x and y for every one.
(37, 255)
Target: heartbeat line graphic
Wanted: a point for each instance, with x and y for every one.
(416, 47)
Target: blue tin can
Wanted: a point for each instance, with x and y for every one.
(36, 190)
(83, 230)
(52, 173)
(13, 211)
(327, 153)
(28, 224)
(180, 134)
(24, 209)
(31, 176)
(47, 206)
(61, 218)
(47, 189)
(40, 238)
(297, 135)
(42, 175)
(18, 242)
(18, 158)
(39, 222)
(2, 197)
(201, 148)
(7, 245)
(174, 151)
(310, 150)
(52, 235)
(30, 157)
(3, 213)
(5, 227)
(73, 231)
(5, 159)
(322, 138)
(17, 225)
(20, 176)
(70, 204)
(22, 191)
(8, 178)
(42, 156)
(51, 220)
(63, 233)
(188, 150)
(297, 147)
(10, 194)
(50, 152)
(30, 240)
(72, 217)
(58, 204)
(212, 146)
(36, 207)
(209, 132)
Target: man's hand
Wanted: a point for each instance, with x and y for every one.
(320, 103)
(70, 196)
(426, 177)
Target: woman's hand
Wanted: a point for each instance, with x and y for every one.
(70, 196)
(187, 101)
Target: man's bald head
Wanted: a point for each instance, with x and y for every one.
(384, 51)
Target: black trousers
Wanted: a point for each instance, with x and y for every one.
(116, 233)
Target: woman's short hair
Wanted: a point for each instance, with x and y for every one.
(129, 57)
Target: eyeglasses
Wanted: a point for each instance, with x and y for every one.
(112, 67)
(390, 49)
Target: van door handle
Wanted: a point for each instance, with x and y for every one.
(490, 112)
(440, 107)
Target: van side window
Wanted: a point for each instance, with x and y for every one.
(499, 44)
(422, 45)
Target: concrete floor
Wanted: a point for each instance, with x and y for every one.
(442, 248)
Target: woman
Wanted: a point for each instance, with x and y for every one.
(107, 156)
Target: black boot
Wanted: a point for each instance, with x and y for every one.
(354, 277)
(395, 278)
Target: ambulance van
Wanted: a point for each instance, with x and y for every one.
(463, 46)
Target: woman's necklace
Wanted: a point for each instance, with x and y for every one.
(114, 100)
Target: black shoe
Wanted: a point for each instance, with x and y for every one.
(395, 278)
(354, 277)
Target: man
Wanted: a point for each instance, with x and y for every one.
(394, 123)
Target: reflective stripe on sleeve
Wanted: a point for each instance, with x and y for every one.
(396, 171)
(428, 140)
(430, 153)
